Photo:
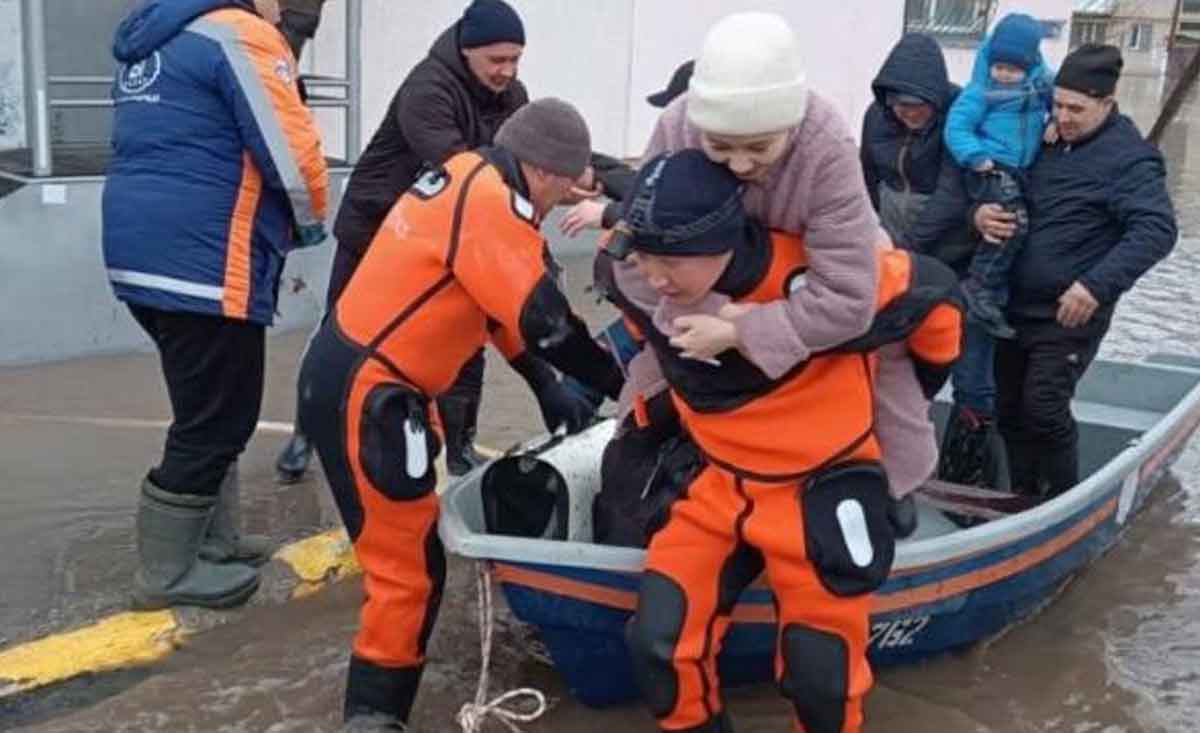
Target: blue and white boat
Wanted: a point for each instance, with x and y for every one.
(950, 586)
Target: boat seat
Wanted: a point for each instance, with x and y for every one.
(1126, 418)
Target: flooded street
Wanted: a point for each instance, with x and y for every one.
(1117, 652)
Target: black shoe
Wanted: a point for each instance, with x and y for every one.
(293, 460)
(902, 513)
(459, 416)
(982, 309)
(465, 459)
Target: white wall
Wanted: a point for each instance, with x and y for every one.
(605, 56)
(843, 43)
(12, 100)
(55, 301)
(960, 60)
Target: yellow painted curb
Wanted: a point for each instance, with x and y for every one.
(131, 638)
(318, 560)
(117, 641)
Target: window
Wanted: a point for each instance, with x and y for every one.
(1191, 6)
(1138, 38)
(1088, 31)
(964, 20)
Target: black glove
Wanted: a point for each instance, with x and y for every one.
(560, 406)
(559, 403)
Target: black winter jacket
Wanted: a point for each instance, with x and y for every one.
(917, 163)
(891, 153)
(440, 109)
(1099, 213)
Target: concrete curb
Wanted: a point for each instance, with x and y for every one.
(133, 638)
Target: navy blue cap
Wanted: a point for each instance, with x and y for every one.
(490, 21)
(681, 204)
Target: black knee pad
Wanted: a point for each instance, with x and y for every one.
(847, 532)
(816, 677)
(652, 636)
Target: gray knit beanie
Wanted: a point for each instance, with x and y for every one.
(550, 134)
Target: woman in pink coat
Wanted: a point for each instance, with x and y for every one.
(749, 108)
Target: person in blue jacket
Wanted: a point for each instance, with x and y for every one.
(217, 173)
(994, 130)
(919, 191)
(1100, 216)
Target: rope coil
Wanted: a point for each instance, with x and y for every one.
(473, 714)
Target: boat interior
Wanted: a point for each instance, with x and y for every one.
(1116, 404)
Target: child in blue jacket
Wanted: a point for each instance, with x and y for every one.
(994, 130)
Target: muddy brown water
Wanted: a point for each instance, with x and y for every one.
(1117, 651)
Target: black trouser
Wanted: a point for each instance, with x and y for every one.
(213, 367)
(1036, 374)
(991, 264)
(345, 262)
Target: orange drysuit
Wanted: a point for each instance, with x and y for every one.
(457, 263)
(792, 486)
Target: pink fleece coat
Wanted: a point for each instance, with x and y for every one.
(815, 190)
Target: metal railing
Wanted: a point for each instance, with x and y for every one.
(39, 100)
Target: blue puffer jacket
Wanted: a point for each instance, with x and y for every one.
(999, 122)
(217, 169)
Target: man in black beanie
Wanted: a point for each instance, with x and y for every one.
(452, 101)
(1099, 218)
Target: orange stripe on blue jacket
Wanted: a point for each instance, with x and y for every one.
(217, 170)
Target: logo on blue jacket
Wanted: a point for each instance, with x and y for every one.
(137, 78)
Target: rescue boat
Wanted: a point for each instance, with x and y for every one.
(950, 586)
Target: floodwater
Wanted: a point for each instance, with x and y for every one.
(1117, 651)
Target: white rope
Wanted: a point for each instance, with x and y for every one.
(473, 714)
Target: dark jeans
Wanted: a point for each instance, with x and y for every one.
(991, 264)
(1036, 374)
(214, 372)
(973, 375)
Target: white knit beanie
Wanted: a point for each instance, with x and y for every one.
(749, 79)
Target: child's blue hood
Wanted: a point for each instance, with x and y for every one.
(155, 22)
(981, 73)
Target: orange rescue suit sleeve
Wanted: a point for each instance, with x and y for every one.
(501, 261)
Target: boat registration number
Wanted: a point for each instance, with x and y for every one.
(897, 633)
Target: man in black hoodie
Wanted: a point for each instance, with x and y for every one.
(452, 101)
(917, 188)
(903, 156)
(1099, 218)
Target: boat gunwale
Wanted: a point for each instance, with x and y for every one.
(910, 556)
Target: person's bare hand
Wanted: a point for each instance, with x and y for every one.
(730, 311)
(587, 180)
(587, 186)
(985, 166)
(995, 224)
(1076, 306)
(1050, 136)
(702, 337)
(588, 214)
